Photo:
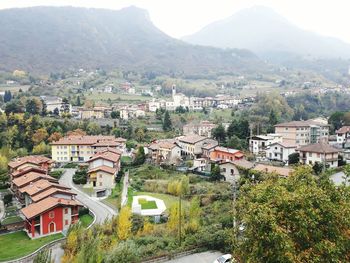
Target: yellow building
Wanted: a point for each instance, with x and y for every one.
(81, 148)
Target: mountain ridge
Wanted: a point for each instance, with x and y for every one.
(48, 39)
(267, 33)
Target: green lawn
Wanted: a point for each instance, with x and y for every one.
(169, 200)
(86, 220)
(147, 204)
(18, 244)
(11, 220)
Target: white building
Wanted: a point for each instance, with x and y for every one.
(258, 143)
(52, 103)
(319, 152)
(280, 151)
(343, 134)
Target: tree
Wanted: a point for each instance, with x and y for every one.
(76, 132)
(93, 128)
(33, 106)
(56, 112)
(8, 199)
(194, 215)
(293, 158)
(219, 133)
(13, 107)
(124, 223)
(336, 120)
(65, 106)
(115, 114)
(39, 136)
(7, 96)
(317, 167)
(167, 125)
(174, 217)
(140, 134)
(124, 252)
(215, 174)
(41, 148)
(78, 101)
(294, 219)
(140, 156)
(54, 137)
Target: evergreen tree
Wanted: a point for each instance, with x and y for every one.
(140, 156)
(219, 134)
(167, 125)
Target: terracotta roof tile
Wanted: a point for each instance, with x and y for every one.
(193, 138)
(107, 154)
(34, 159)
(318, 148)
(104, 168)
(50, 192)
(343, 129)
(88, 140)
(20, 172)
(31, 177)
(46, 204)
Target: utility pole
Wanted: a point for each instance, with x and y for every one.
(180, 219)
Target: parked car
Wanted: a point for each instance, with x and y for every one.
(224, 259)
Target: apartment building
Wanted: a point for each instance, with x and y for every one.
(203, 128)
(225, 154)
(321, 153)
(280, 151)
(165, 152)
(192, 145)
(303, 132)
(81, 148)
(258, 143)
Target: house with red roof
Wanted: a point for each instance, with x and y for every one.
(38, 161)
(51, 215)
(225, 154)
(103, 169)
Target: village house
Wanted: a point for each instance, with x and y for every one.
(303, 132)
(342, 135)
(225, 154)
(54, 103)
(203, 128)
(164, 152)
(321, 153)
(258, 143)
(280, 151)
(38, 190)
(50, 216)
(230, 169)
(97, 112)
(191, 145)
(22, 163)
(26, 179)
(103, 169)
(81, 148)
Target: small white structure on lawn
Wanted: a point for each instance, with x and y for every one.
(136, 206)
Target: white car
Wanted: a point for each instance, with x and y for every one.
(224, 259)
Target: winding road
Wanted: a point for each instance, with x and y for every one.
(101, 211)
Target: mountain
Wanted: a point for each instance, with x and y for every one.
(51, 39)
(271, 36)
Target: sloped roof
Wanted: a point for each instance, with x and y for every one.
(193, 138)
(46, 204)
(284, 144)
(50, 192)
(227, 150)
(283, 171)
(38, 186)
(104, 168)
(343, 129)
(34, 159)
(31, 177)
(106, 155)
(318, 148)
(86, 140)
(20, 172)
(300, 124)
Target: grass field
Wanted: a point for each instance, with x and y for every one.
(86, 220)
(169, 200)
(11, 220)
(18, 244)
(102, 96)
(147, 204)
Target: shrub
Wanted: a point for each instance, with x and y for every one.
(8, 199)
(80, 177)
(83, 211)
(56, 174)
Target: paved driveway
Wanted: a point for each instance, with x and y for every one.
(101, 210)
(204, 257)
(338, 178)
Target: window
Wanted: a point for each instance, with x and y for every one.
(232, 171)
(310, 154)
(100, 183)
(66, 222)
(286, 129)
(52, 214)
(66, 210)
(224, 170)
(100, 175)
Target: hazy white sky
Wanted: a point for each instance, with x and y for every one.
(182, 17)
